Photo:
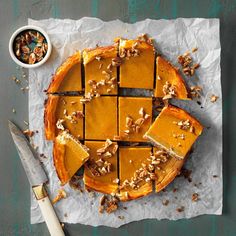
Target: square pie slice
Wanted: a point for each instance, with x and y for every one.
(135, 117)
(175, 130)
(63, 113)
(101, 70)
(169, 82)
(68, 76)
(100, 172)
(101, 118)
(137, 67)
(68, 156)
(168, 167)
(135, 181)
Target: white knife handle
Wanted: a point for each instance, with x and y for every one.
(50, 217)
(48, 213)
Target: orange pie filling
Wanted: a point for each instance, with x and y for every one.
(135, 173)
(63, 113)
(68, 156)
(101, 118)
(135, 117)
(169, 82)
(166, 169)
(101, 70)
(100, 172)
(68, 76)
(137, 67)
(175, 130)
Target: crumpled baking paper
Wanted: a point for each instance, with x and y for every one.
(172, 37)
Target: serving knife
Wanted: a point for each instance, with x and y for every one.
(37, 179)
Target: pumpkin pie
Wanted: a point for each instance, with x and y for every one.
(68, 76)
(63, 113)
(174, 130)
(100, 172)
(135, 117)
(135, 181)
(137, 67)
(68, 156)
(168, 167)
(169, 82)
(101, 118)
(100, 66)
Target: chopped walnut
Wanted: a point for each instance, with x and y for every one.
(59, 124)
(195, 91)
(108, 204)
(61, 194)
(147, 170)
(195, 197)
(165, 202)
(169, 91)
(213, 98)
(180, 209)
(186, 62)
(135, 126)
(28, 132)
(75, 183)
(184, 124)
(128, 121)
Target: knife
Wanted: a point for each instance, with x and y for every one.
(37, 178)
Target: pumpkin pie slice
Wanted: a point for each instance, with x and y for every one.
(174, 130)
(137, 67)
(167, 167)
(169, 82)
(68, 76)
(100, 172)
(101, 118)
(68, 156)
(135, 117)
(135, 177)
(100, 65)
(63, 113)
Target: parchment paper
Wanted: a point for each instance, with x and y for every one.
(172, 37)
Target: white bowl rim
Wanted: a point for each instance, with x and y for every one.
(17, 32)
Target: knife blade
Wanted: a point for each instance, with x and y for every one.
(37, 178)
(32, 166)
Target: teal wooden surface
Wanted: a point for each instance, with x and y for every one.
(14, 188)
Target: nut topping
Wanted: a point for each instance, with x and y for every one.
(214, 98)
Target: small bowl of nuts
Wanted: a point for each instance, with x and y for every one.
(30, 46)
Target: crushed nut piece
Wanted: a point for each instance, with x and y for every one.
(129, 121)
(61, 194)
(75, 183)
(169, 91)
(102, 200)
(59, 124)
(195, 91)
(180, 209)
(195, 197)
(186, 62)
(165, 202)
(213, 98)
(108, 204)
(28, 132)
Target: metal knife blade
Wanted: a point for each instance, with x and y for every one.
(33, 168)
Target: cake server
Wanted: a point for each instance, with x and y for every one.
(37, 178)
